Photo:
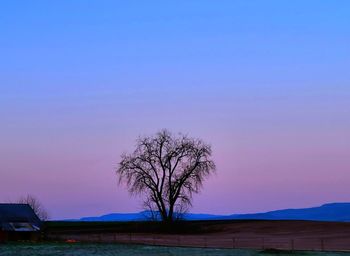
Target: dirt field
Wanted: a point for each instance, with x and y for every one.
(285, 235)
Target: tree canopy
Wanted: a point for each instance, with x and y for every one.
(166, 169)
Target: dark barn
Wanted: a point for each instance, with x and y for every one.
(18, 222)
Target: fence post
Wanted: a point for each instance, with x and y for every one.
(263, 243)
(322, 244)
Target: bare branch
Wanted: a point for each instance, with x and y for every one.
(37, 207)
(167, 170)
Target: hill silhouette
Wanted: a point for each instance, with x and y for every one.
(326, 212)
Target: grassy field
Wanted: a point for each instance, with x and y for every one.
(65, 249)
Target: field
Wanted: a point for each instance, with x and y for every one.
(65, 249)
(242, 234)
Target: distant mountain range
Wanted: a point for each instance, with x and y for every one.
(326, 212)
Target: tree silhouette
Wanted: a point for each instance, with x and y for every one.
(167, 170)
(35, 204)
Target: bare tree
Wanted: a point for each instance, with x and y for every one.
(166, 170)
(37, 207)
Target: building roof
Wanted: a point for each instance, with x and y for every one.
(18, 217)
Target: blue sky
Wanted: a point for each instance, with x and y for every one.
(265, 82)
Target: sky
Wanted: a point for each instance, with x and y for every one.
(266, 83)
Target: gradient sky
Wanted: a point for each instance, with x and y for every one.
(267, 83)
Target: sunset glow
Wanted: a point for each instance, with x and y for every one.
(266, 84)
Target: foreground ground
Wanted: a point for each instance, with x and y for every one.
(65, 249)
(254, 234)
(241, 228)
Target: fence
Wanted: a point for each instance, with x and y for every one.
(211, 241)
